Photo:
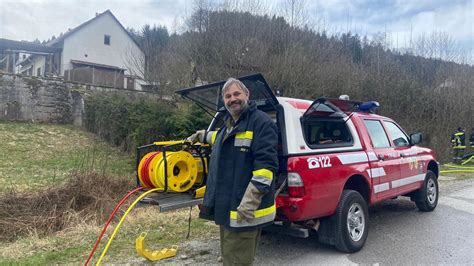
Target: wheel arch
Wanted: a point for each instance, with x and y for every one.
(328, 232)
(433, 167)
(360, 184)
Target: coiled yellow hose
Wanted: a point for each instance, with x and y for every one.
(183, 170)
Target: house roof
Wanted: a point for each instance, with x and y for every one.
(72, 31)
(6, 44)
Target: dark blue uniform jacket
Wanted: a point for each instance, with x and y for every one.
(247, 154)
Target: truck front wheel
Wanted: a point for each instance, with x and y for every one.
(426, 198)
(352, 222)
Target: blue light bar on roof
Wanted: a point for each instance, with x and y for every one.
(369, 106)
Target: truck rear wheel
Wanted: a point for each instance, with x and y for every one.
(352, 222)
(426, 198)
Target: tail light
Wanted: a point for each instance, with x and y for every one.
(295, 185)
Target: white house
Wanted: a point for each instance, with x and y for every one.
(32, 64)
(99, 51)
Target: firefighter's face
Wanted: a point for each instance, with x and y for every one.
(235, 99)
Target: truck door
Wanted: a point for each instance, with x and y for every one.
(385, 168)
(411, 170)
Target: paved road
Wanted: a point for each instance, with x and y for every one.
(399, 234)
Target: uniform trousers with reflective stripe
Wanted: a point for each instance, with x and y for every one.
(239, 248)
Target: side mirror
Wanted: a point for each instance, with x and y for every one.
(415, 138)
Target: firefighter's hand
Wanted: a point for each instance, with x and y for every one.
(249, 204)
(197, 137)
(245, 215)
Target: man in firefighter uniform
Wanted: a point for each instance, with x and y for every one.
(240, 188)
(458, 142)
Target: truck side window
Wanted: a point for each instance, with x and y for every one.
(323, 133)
(377, 134)
(396, 134)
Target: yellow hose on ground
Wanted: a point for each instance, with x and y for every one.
(462, 168)
(457, 166)
(468, 160)
(121, 221)
(457, 171)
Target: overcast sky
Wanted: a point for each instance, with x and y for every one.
(401, 19)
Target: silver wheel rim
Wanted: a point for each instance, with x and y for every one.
(355, 222)
(431, 191)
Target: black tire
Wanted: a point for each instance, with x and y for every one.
(352, 222)
(426, 198)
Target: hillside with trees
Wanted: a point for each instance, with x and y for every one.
(423, 89)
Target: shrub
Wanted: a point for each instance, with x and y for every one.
(84, 197)
(129, 122)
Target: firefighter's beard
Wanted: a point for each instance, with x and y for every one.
(236, 108)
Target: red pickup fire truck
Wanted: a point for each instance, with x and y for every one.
(336, 157)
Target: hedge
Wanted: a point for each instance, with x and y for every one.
(129, 122)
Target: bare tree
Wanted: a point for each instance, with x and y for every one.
(438, 45)
(152, 41)
(255, 7)
(294, 11)
(199, 19)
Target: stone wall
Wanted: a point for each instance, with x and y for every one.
(50, 100)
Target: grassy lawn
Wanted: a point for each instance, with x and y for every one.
(34, 157)
(73, 245)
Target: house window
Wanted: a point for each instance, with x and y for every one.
(38, 72)
(107, 39)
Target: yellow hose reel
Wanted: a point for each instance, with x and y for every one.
(183, 170)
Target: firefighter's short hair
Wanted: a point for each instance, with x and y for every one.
(237, 82)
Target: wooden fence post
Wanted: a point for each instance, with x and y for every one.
(8, 62)
(93, 76)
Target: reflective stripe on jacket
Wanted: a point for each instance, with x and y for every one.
(246, 154)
